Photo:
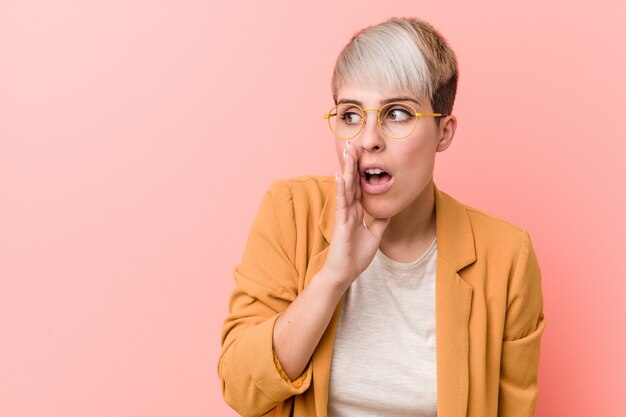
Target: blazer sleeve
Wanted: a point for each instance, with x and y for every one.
(524, 325)
(253, 381)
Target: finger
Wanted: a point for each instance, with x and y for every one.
(359, 191)
(348, 176)
(352, 151)
(340, 199)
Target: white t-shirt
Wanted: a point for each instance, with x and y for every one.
(384, 357)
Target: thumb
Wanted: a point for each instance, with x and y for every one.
(378, 227)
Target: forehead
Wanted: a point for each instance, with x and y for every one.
(372, 95)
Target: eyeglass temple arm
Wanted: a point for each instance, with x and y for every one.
(327, 116)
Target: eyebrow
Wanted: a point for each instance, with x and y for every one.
(382, 102)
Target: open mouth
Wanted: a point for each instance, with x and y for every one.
(376, 177)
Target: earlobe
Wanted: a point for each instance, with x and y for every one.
(446, 133)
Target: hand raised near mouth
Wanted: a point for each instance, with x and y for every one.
(298, 330)
(353, 244)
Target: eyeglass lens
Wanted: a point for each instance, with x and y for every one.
(398, 120)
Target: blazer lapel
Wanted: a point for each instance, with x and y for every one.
(455, 250)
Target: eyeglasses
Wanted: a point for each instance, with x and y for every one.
(396, 120)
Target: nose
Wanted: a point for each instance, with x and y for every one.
(371, 137)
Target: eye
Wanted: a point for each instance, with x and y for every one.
(398, 114)
(350, 117)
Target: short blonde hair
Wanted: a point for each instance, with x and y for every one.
(404, 53)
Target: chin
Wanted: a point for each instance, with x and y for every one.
(379, 209)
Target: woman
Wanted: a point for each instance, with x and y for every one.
(374, 293)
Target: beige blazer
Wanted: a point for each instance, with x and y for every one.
(489, 308)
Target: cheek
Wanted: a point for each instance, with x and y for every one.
(418, 162)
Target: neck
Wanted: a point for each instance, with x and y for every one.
(415, 225)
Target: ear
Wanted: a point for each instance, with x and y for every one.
(447, 127)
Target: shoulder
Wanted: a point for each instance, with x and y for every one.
(505, 265)
(305, 183)
(307, 193)
(496, 235)
(487, 223)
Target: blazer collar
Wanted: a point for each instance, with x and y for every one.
(455, 240)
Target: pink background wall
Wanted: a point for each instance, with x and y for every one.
(138, 137)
